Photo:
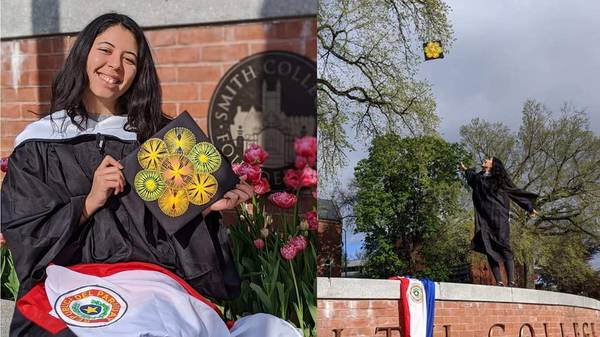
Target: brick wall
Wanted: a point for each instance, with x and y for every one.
(190, 61)
(458, 319)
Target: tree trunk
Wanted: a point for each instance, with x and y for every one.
(528, 274)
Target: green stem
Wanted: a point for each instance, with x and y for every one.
(300, 320)
(296, 208)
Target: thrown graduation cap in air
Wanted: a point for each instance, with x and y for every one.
(433, 50)
(178, 173)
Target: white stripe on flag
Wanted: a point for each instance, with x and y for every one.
(144, 303)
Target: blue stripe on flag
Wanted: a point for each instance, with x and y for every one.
(430, 297)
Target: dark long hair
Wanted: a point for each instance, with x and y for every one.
(141, 102)
(500, 177)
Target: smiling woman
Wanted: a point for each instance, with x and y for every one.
(83, 251)
(111, 68)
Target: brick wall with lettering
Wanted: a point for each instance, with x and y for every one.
(190, 62)
(458, 319)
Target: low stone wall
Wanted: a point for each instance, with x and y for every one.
(6, 313)
(364, 307)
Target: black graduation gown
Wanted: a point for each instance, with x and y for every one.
(492, 209)
(43, 196)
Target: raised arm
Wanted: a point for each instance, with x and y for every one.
(469, 173)
(525, 199)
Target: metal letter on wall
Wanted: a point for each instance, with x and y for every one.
(584, 327)
(531, 331)
(497, 325)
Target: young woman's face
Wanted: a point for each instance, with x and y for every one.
(112, 63)
(487, 164)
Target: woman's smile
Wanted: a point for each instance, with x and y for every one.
(110, 81)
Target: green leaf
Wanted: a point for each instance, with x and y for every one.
(262, 296)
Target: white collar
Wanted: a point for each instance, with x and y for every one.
(59, 126)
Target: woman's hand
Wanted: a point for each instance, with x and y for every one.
(241, 193)
(462, 167)
(533, 213)
(108, 179)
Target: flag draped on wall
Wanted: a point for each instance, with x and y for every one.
(134, 299)
(417, 299)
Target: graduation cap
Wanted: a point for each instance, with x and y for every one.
(433, 50)
(178, 173)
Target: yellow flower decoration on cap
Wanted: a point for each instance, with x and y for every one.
(152, 153)
(205, 157)
(202, 188)
(148, 185)
(180, 140)
(176, 171)
(173, 202)
(433, 49)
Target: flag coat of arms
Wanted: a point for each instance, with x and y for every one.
(417, 299)
(134, 299)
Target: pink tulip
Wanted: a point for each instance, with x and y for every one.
(262, 186)
(306, 146)
(288, 252)
(312, 160)
(299, 242)
(312, 219)
(255, 155)
(315, 194)
(283, 199)
(4, 164)
(291, 179)
(308, 177)
(251, 172)
(259, 244)
(2, 240)
(301, 162)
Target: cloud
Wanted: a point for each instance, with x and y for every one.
(508, 51)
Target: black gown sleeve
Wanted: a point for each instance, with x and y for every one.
(471, 177)
(525, 199)
(37, 220)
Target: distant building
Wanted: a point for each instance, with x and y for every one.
(329, 236)
(354, 269)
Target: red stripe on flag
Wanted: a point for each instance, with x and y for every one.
(403, 311)
(35, 307)
(404, 283)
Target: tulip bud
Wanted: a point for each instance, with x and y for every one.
(259, 244)
(303, 225)
(264, 233)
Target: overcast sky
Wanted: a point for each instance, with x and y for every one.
(505, 52)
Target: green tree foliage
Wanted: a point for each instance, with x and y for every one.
(558, 158)
(563, 266)
(407, 203)
(368, 56)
